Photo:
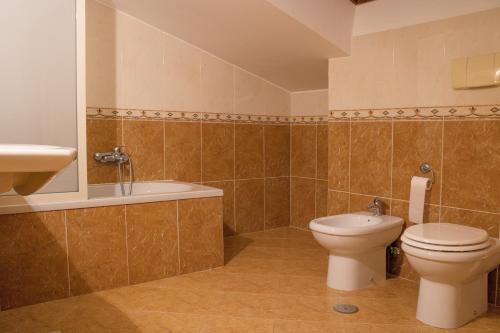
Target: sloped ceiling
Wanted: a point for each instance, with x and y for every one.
(277, 40)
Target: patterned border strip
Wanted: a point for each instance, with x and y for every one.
(308, 119)
(104, 113)
(458, 112)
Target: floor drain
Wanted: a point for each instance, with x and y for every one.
(345, 308)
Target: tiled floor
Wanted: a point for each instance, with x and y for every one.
(274, 281)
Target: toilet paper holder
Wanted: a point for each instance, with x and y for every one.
(426, 168)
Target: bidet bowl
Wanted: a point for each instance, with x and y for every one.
(356, 243)
(356, 232)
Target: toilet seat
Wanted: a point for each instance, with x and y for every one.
(445, 248)
(446, 237)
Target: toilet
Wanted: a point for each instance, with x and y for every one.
(357, 245)
(453, 262)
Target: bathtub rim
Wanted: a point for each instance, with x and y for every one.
(198, 191)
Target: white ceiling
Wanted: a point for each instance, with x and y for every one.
(284, 45)
(381, 15)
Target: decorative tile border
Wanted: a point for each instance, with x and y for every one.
(456, 112)
(308, 119)
(105, 113)
(449, 112)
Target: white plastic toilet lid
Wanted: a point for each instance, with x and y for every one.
(446, 248)
(446, 234)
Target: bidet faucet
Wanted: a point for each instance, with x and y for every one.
(377, 206)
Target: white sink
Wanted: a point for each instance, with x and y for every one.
(26, 168)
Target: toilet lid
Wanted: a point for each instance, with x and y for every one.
(445, 248)
(446, 234)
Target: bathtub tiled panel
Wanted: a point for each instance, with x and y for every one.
(97, 249)
(33, 261)
(216, 151)
(152, 244)
(52, 255)
(379, 157)
(200, 234)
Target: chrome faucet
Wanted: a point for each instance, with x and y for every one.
(377, 207)
(115, 156)
(118, 157)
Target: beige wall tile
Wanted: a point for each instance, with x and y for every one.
(152, 241)
(217, 151)
(303, 206)
(309, 103)
(321, 198)
(249, 205)
(256, 96)
(217, 85)
(411, 66)
(303, 151)
(416, 142)
(33, 259)
(183, 151)
(277, 150)
(200, 234)
(101, 55)
(338, 156)
(249, 151)
(277, 101)
(372, 70)
(371, 158)
(227, 204)
(471, 177)
(249, 93)
(277, 202)
(96, 248)
(139, 79)
(338, 203)
(181, 72)
(340, 92)
(322, 151)
(102, 136)
(143, 140)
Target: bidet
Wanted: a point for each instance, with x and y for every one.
(357, 245)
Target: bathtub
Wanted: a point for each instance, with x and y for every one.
(111, 195)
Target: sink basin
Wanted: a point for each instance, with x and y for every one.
(26, 168)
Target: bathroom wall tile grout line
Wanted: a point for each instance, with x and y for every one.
(235, 213)
(67, 251)
(441, 178)
(350, 155)
(407, 201)
(178, 237)
(126, 244)
(392, 163)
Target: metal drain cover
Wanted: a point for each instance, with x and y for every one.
(345, 308)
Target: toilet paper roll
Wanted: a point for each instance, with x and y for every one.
(417, 199)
